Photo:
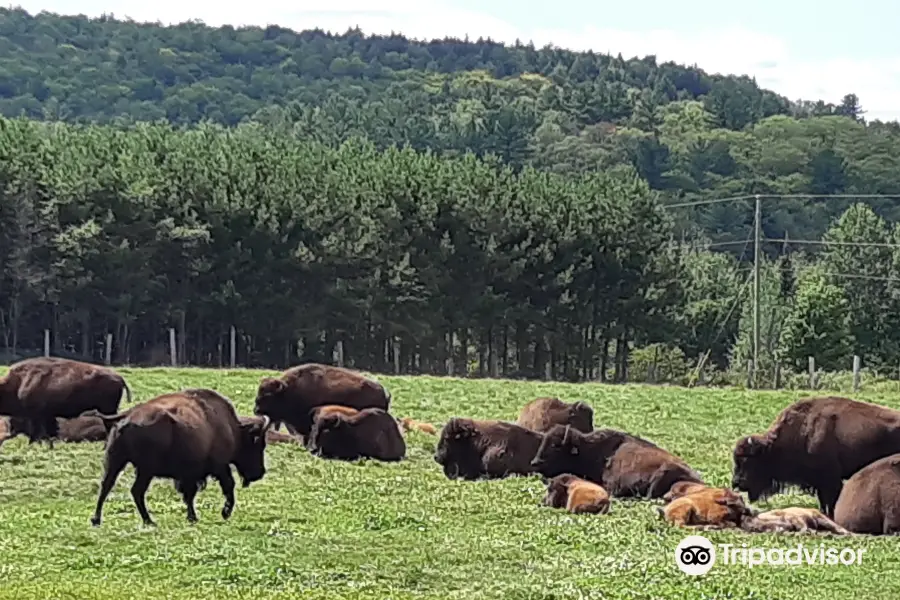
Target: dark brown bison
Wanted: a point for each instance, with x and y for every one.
(543, 413)
(38, 390)
(624, 464)
(486, 449)
(187, 436)
(707, 508)
(292, 396)
(370, 433)
(870, 500)
(576, 495)
(80, 429)
(793, 519)
(815, 444)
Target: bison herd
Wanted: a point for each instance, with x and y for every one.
(844, 451)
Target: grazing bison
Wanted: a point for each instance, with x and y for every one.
(85, 428)
(486, 449)
(370, 433)
(870, 500)
(576, 495)
(187, 436)
(709, 508)
(292, 396)
(815, 444)
(626, 465)
(410, 424)
(543, 413)
(38, 390)
(793, 519)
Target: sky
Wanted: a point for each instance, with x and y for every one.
(798, 48)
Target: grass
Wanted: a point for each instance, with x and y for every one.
(318, 529)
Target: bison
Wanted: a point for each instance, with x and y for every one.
(410, 424)
(870, 500)
(292, 396)
(486, 449)
(186, 436)
(543, 413)
(576, 495)
(708, 508)
(682, 488)
(38, 390)
(369, 433)
(793, 519)
(84, 428)
(815, 444)
(624, 464)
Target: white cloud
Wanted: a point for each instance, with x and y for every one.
(734, 50)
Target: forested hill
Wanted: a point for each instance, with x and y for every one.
(689, 134)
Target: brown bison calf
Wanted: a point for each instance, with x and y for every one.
(543, 413)
(292, 396)
(485, 449)
(39, 390)
(708, 508)
(683, 488)
(409, 424)
(187, 436)
(793, 519)
(870, 500)
(815, 444)
(370, 433)
(576, 495)
(626, 465)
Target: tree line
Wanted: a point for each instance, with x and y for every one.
(299, 245)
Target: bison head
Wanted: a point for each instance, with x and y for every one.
(581, 416)
(331, 434)
(250, 460)
(558, 451)
(753, 468)
(456, 451)
(734, 504)
(269, 396)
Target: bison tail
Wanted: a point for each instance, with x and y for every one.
(109, 421)
(127, 391)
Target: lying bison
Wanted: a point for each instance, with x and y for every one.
(292, 396)
(38, 390)
(870, 500)
(815, 444)
(707, 508)
(626, 465)
(486, 449)
(576, 495)
(793, 519)
(543, 413)
(370, 433)
(85, 428)
(187, 436)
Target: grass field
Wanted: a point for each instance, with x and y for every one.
(326, 529)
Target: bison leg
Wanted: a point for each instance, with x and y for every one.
(828, 496)
(138, 493)
(226, 481)
(111, 472)
(189, 489)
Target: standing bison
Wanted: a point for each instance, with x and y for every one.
(625, 465)
(485, 449)
(870, 500)
(187, 436)
(292, 396)
(815, 444)
(38, 390)
(543, 413)
(370, 433)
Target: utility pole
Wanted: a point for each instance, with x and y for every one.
(757, 226)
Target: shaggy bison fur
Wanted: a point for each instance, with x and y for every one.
(370, 433)
(626, 465)
(39, 390)
(292, 396)
(186, 436)
(576, 495)
(708, 508)
(815, 444)
(793, 519)
(870, 500)
(486, 449)
(543, 413)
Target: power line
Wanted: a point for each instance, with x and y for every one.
(829, 243)
(869, 277)
(704, 202)
(783, 197)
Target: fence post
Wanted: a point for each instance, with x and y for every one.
(856, 366)
(340, 353)
(777, 382)
(233, 355)
(396, 355)
(108, 357)
(812, 373)
(451, 348)
(172, 348)
(46, 342)
(750, 373)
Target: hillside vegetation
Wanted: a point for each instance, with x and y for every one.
(320, 529)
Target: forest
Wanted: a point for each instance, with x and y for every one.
(463, 206)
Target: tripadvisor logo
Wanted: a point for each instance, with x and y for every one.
(696, 555)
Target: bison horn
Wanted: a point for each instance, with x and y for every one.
(266, 421)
